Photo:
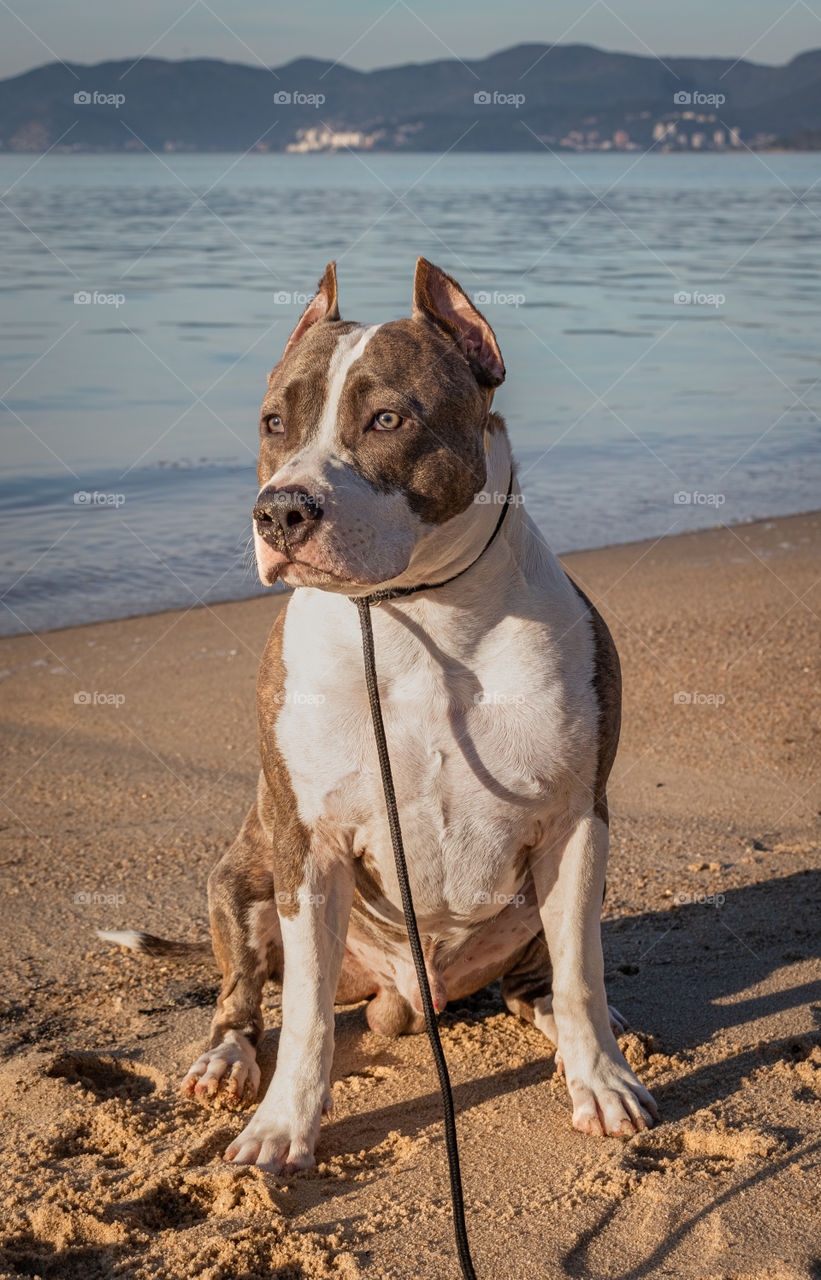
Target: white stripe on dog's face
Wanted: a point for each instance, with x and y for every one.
(349, 349)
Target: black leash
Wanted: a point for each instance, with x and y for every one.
(363, 604)
(462, 1246)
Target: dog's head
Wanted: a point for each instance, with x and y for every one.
(372, 436)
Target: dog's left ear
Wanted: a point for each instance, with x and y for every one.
(438, 298)
(323, 306)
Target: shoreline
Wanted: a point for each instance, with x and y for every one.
(378, 151)
(271, 592)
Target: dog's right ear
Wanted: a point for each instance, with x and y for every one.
(323, 306)
(438, 298)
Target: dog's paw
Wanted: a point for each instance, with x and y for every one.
(274, 1142)
(607, 1097)
(229, 1069)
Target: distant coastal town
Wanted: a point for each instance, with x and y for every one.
(678, 131)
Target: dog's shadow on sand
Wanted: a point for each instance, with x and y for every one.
(676, 974)
(681, 971)
(575, 1261)
(704, 969)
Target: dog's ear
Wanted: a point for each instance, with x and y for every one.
(323, 306)
(438, 298)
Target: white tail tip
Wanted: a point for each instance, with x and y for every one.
(122, 937)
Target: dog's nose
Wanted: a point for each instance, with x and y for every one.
(286, 517)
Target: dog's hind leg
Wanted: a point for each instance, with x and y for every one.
(247, 942)
(526, 988)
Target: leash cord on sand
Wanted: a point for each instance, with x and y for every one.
(462, 1246)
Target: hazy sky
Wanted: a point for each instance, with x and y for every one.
(370, 33)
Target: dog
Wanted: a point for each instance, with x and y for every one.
(382, 465)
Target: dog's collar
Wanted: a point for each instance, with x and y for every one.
(395, 593)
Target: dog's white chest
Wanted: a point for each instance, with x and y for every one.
(480, 748)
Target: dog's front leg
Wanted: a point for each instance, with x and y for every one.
(285, 1127)
(569, 880)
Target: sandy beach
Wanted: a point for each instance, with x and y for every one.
(116, 807)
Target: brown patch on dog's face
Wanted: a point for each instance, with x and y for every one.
(436, 458)
(297, 388)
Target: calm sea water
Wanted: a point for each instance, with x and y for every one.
(620, 399)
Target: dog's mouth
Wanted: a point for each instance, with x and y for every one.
(283, 564)
(298, 573)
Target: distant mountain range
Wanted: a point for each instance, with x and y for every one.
(565, 96)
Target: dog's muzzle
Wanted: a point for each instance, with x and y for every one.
(287, 517)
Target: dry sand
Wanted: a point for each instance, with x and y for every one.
(114, 815)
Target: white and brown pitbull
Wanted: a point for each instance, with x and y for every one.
(381, 465)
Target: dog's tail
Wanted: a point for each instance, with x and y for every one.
(149, 945)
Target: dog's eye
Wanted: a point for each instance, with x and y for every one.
(387, 421)
(273, 424)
